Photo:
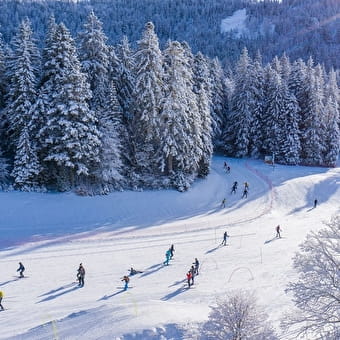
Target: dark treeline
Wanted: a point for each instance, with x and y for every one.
(82, 114)
(298, 27)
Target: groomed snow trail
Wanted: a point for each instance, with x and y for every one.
(138, 231)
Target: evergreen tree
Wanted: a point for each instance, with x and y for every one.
(94, 58)
(70, 137)
(257, 126)
(110, 171)
(218, 98)
(206, 132)
(240, 120)
(2, 72)
(147, 98)
(26, 168)
(23, 65)
(290, 142)
(176, 132)
(312, 134)
(273, 120)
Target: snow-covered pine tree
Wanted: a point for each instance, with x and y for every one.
(22, 69)
(70, 137)
(286, 68)
(218, 99)
(26, 167)
(180, 140)
(237, 134)
(331, 121)
(2, 73)
(259, 86)
(206, 132)
(272, 119)
(125, 78)
(94, 58)
(290, 146)
(147, 99)
(4, 171)
(110, 170)
(312, 134)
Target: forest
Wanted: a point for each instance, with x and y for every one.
(81, 114)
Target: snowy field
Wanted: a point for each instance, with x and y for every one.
(52, 233)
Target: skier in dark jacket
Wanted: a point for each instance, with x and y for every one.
(234, 188)
(172, 250)
(245, 193)
(224, 242)
(196, 264)
(192, 271)
(81, 275)
(278, 231)
(315, 203)
(21, 269)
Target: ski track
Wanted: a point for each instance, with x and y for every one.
(57, 303)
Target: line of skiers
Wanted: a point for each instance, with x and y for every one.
(245, 189)
(193, 271)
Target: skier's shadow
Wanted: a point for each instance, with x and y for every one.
(212, 250)
(273, 239)
(177, 283)
(7, 282)
(173, 294)
(106, 297)
(156, 267)
(52, 297)
(57, 290)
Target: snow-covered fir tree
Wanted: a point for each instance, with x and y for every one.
(94, 58)
(4, 171)
(312, 133)
(237, 133)
(256, 130)
(175, 127)
(206, 132)
(218, 99)
(110, 169)
(147, 99)
(272, 118)
(331, 121)
(70, 137)
(2, 72)
(22, 68)
(26, 167)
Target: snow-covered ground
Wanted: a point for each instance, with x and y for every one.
(235, 22)
(52, 233)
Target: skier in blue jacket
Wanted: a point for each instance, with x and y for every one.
(167, 257)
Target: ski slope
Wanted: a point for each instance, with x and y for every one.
(52, 233)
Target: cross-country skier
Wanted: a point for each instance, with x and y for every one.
(21, 269)
(167, 257)
(223, 203)
(192, 271)
(246, 185)
(278, 231)
(189, 278)
(126, 281)
(81, 275)
(315, 203)
(172, 250)
(224, 242)
(134, 271)
(234, 187)
(196, 264)
(245, 193)
(1, 297)
(228, 169)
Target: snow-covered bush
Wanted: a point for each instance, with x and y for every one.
(237, 317)
(317, 291)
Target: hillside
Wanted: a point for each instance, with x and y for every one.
(52, 233)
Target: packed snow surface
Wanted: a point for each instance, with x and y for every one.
(52, 233)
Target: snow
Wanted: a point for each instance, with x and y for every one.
(52, 233)
(235, 22)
